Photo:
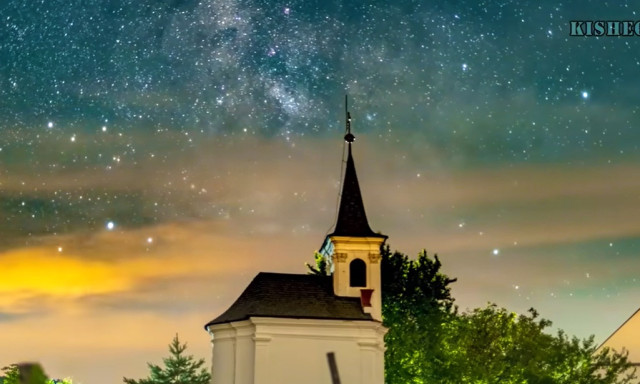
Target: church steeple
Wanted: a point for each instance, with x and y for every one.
(352, 219)
(353, 249)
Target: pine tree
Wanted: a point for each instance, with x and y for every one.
(179, 369)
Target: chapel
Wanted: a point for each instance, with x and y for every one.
(282, 326)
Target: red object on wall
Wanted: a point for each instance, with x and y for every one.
(365, 297)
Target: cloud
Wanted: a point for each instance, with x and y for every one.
(71, 267)
(36, 271)
(228, 210)
(528, 205)
(265, 187)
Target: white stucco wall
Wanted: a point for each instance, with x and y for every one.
(281, 351)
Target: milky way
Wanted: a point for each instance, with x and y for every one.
(280, 68)
(493, 82)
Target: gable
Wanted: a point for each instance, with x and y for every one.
(627, 337)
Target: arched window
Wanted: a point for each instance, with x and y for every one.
(357, 273)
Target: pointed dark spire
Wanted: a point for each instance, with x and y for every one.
(352, 219)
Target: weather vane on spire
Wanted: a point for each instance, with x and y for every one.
(349, 138)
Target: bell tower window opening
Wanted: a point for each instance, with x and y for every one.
(357, 273)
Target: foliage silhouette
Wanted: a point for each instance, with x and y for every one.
(429, 341)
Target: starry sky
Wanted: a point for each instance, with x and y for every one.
(156, 154)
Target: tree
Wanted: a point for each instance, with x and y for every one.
(429, 341)
(179, 369)
(416, 306)
(25, 373)
(12, 375)
(493, 345)
(320, 267)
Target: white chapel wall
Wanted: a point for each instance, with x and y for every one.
(281, 351)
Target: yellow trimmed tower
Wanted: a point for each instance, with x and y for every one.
(353, 250)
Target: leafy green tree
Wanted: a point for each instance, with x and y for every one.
(416, 306)
(179, 369)
(11, 374)
(493, 345)
(320, 265)
(24, 373)
(429, 341)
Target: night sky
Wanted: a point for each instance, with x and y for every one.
(156, 155)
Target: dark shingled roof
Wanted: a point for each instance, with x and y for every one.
(293, 296)
(352, 220)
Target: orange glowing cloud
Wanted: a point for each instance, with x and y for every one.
(29, 272)
(79, 271)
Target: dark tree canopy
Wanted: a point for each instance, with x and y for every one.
(416, 304)
(25, 373)
(429, 341)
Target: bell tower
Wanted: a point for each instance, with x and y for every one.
(353, 249)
